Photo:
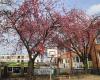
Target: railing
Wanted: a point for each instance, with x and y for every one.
(46, 71)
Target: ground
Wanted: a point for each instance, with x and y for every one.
(86, 77)
(82, 77)
(76, 77)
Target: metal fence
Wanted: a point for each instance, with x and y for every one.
(47, 71)
(43, 71)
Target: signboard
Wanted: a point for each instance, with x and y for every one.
(51, 52)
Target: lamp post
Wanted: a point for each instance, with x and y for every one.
(51, 66)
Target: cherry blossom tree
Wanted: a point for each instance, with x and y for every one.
(78, 33)
(34, 22)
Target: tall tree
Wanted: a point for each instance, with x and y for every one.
(77, 33)
(34, 22)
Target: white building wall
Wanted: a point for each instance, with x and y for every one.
(14, 58)
(24, 57)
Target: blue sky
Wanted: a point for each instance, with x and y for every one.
(90, 6)
(15, 3)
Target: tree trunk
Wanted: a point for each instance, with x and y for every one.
(31, 66)
(85, 64)
(22, 69)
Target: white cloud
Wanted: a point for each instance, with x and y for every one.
(94, 9)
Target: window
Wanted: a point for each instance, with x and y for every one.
(25, 69)
(8, 57)
(10, 69)
(22, 60)
(98, 37)
(2, 57)
(77, 59)
(98, 40)
(37, 60)
(16, 70)
(18, 57)
(61, 61)
(55, 60)
(99, 55)
(66, 61)
(89, 57)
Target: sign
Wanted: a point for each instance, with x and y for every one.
(52, 52)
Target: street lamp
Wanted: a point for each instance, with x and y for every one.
(51, 66)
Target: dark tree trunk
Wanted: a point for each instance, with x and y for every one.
(30, 70)
(85, 64)
(31, 66)
(22, 69)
